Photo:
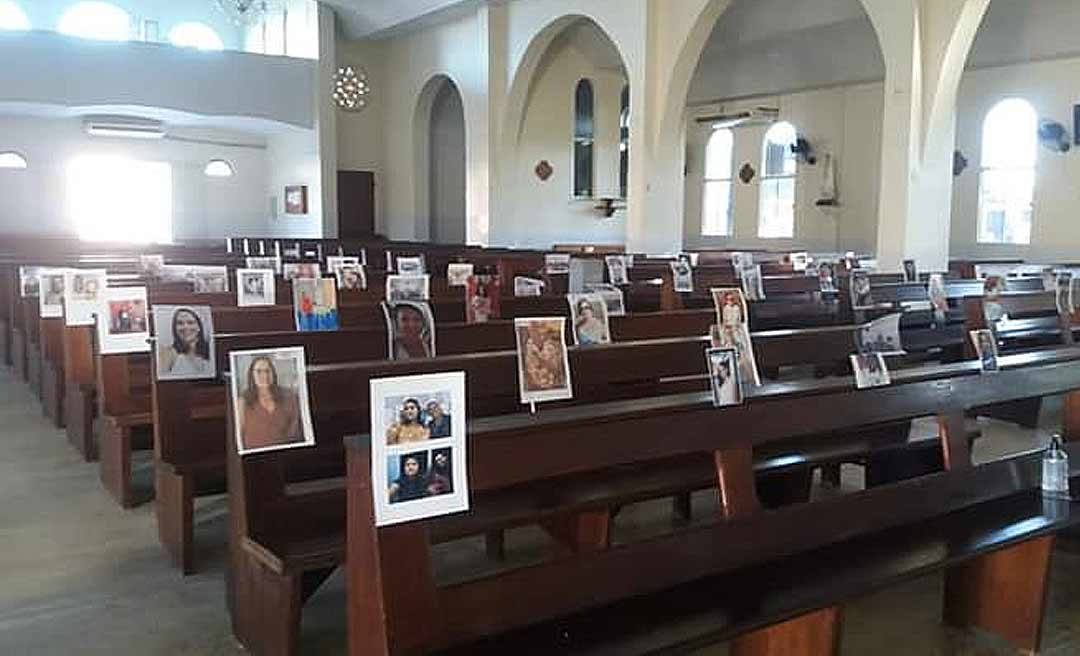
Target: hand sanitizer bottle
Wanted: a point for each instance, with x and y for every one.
(1055, 469)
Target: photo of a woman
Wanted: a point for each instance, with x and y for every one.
(412, 483)
(184, 342)
(590, 320)
(270, 399)
(723, 373)
(410, 328)
(408, 428)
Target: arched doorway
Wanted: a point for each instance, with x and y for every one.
(446, 166)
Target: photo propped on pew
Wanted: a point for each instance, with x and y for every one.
(737, 336)
(255, 287)
(123, 321)
(294, 270)
(83, 291)
(481, 298)
(457, 274)
(617, 269)
(683, 276)
(271, 262)
(411, 265)
(723, 364)
(1063, 293)
(410, 330)
(870, 370)
(613, 298)
(589, 317)
(315, 304)
(986, 349)
(184, 344)
(418, 447)
(939, 299)
(29, 285)
(335, 261)
(880, 336)
(910, 271)
(753, 285)
(730, 305)
(861, 295)
(210, 279)
(826, 273)
(557, 264)
(51, 293)
(542, 358)
(350, 277)
(270, 400)
(152, 266)
(525, 287)
(408, 288)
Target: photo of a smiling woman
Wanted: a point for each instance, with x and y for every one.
(270, 413)
(185, 342)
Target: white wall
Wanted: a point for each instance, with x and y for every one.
(32, 201)
(360, 134)
(293, 159)
(1051, 86)
(842, 121)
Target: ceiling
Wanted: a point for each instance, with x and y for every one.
(366, 18)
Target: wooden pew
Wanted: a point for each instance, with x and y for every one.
(977, 523)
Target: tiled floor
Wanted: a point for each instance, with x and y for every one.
(78, 575)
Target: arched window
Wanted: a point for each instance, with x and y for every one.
(219, 168)
(93, 19)
(1007, 176)
(12, 17)
(12, 160)
(584, 130)
(716, 199)
(776, 211)
(624, 141)
(195, 35)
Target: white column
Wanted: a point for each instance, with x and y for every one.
(326, 120)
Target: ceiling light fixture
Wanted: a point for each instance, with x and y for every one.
(352, 90)
(246, 12)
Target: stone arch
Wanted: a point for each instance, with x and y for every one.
(421, 154)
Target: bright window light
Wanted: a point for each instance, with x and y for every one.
(776, 210)
(716, 200)
(12, 17)
(93, 19)
(1007, 175)
(195, 35)
(12, 160)
(111, 198)
(219, 168)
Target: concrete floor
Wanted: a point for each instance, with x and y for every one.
(79, 575)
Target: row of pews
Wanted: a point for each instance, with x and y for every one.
(770, 570)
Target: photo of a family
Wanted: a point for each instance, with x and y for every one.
(315, 304)
(418, 458)
(985, 349)
(82, 295)
(588, 315)
(255, 287)
(410, 330)
(184, 342)
(870, 370)
(723, 364)
(270, 400)
(457, 274)
(481, 298)
(543, 362)
(123, 321)
(408, 288)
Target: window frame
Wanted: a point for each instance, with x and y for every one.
(624, 142)
(1023, 164)
(765, 180)
(706, 182)
(582, 140)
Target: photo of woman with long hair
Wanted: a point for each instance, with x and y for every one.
(184, 342)
(270, 399)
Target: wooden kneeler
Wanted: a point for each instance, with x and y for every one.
(813, 634)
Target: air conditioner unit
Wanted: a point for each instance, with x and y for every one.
(753, 116)
(124, 128)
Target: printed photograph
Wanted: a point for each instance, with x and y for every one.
(408, 288)
(880, 336)
(418, 418)
(184, 342)
(410, 329)
(911, 272)
(683, 275)
(870, 370)
(826, 273)
(524, 287)
(588, 316)
(123, 323)
(411, 265)
(617, 270)
(51, 294)
(481, 298)
(28, 281)
(1063, 293)
(986, 349)
(730, 306)
(543, 363)
(737, 337)
(255, 287)
(294, 270)
(753, 284)
(939, 299)
(315, 304)
(151, 265)
(1049, 279)
(83, 291)
(723, 366)
(613, 298)
(335, 261)
(271, 262)
(210, 280)
(418, 447)
(741, 261)
(861, 295)
(270, 400)
(457, 274)
(556, 263)
(350, 277)
(993, 286)
(800, 261)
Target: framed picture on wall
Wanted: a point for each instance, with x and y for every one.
(296, 199)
